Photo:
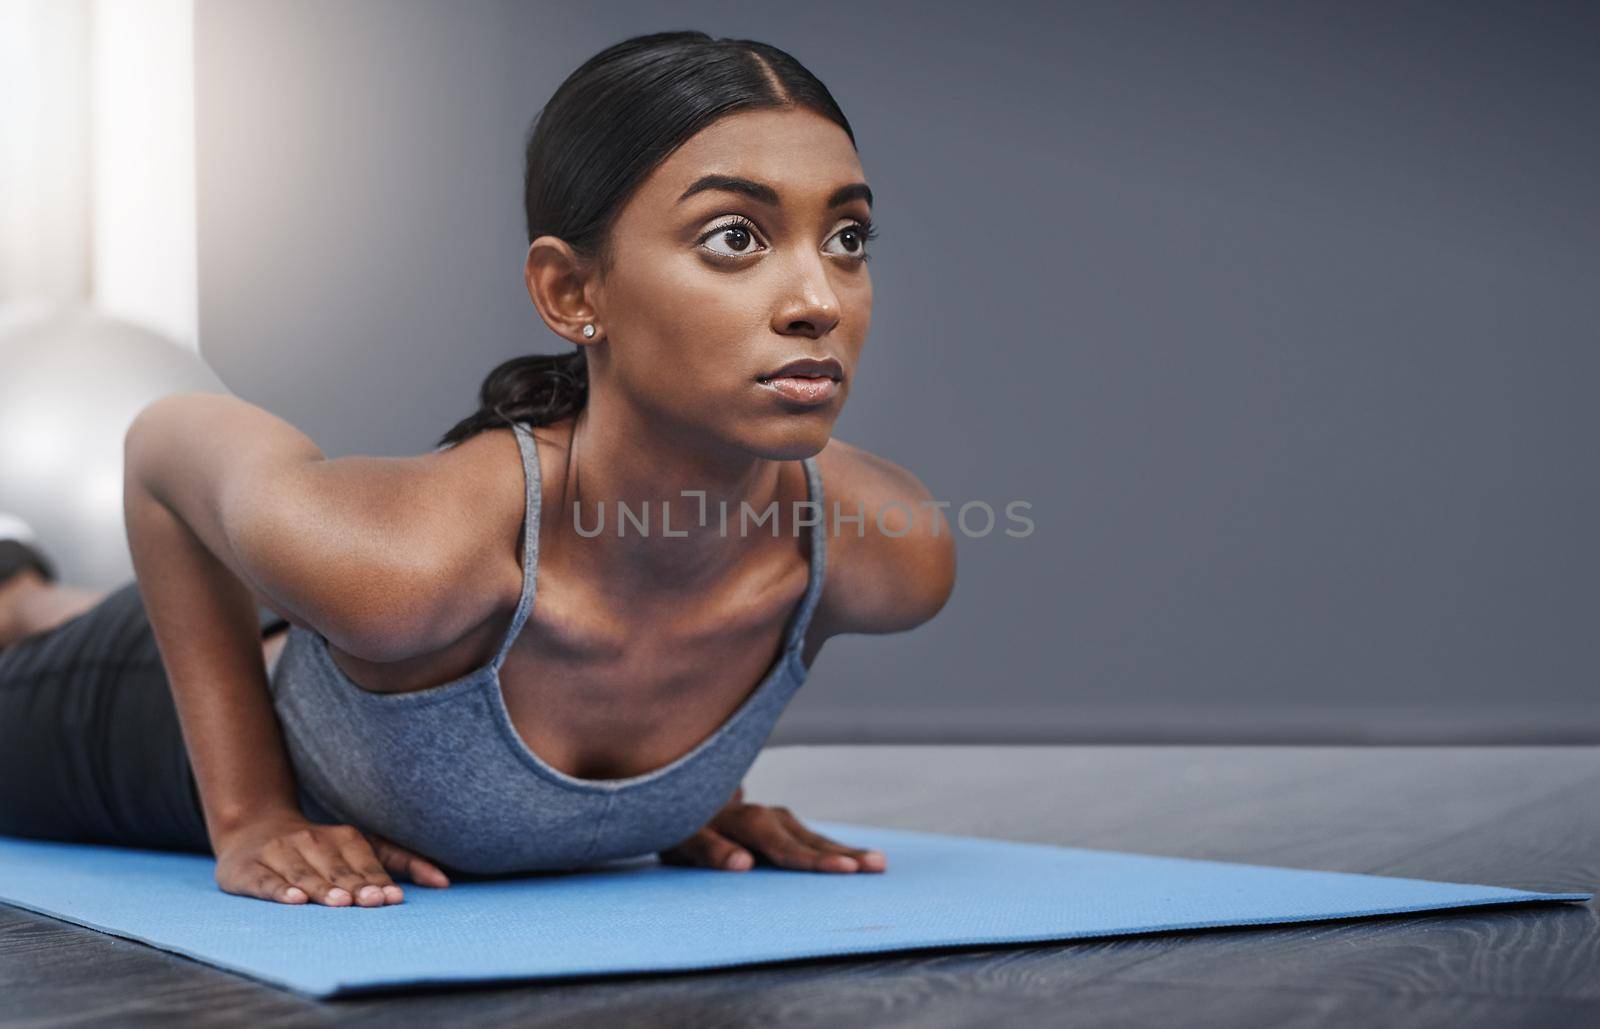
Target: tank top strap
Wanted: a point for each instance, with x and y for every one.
(819, 554)
(530, 536)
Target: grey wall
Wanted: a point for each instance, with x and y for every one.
(1281, 316)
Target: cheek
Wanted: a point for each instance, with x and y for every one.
(681, 318)
(856, 304)
(700, 309)
(863, 302)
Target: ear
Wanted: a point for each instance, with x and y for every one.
(559, 284)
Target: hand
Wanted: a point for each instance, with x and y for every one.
(773, 832)
(290, 859)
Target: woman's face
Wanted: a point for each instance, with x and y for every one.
(740, 253)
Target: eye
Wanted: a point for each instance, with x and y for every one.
(853, 238)
(738, 235)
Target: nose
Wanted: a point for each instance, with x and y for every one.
(811, 308)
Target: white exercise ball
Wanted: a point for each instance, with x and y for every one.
(71, 381)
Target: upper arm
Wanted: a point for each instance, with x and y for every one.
(895, 569)
(369, 552)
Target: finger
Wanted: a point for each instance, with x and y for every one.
(867, 860)
(766, 830)
(710, 849)
(403, 862)
(289, 861)
(320, 845)
(263, 882)
(379, 889)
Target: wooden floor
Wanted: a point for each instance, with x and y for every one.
(1515, 816)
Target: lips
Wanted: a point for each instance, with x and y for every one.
(805, 383)
(807, 368)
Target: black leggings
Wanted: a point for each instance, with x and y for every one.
(90, 746)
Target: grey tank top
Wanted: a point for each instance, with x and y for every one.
(443, 771)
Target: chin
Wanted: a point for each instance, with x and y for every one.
(791, 438)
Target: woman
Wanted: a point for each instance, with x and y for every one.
(474, 676)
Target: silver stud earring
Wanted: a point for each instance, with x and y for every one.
(588, 330)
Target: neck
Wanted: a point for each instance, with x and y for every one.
(621, 457)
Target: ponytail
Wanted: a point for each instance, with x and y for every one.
(536, 389)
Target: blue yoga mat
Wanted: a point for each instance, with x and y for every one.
(642, 916)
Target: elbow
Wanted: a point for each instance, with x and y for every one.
(931, 577)
(935, 581)
(916, 591)
(147, 435)
(944, 580)
(135, 439)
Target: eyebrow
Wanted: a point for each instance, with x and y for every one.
(763, 193)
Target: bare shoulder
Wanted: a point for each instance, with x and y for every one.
(412, 553)
(894, 568)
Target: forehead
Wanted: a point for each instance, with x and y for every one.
(800, 153)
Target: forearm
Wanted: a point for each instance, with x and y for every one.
(204, 620)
